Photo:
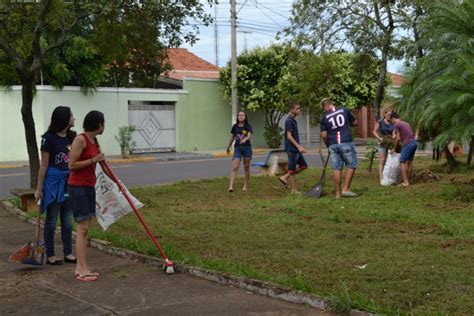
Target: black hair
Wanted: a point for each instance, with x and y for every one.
(394, 115)
(293, 104)
(246, 122)
(60, 120)
(93, 120)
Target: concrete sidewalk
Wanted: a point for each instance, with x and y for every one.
(125, 287)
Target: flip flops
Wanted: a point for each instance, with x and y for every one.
(67, 260)
(348, 194)
(86, 277)
(94, 273)
(285, 184)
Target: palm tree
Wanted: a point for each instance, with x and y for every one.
(439, 94)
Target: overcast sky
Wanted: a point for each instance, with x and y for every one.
(258, 23)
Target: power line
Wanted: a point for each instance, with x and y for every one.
(271, 10)
(249, 26)
(256, 5)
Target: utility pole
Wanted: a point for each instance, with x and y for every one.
(216, 37)
(233, 56)
(245, 38)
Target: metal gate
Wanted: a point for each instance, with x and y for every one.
(155, 125)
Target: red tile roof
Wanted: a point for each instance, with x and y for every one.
(187, 65)
(397, 79)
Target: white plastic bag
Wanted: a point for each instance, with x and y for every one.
(391, 170)
(110, 203)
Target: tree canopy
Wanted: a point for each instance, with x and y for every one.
(263, 83)
(385, 29)
(268, 78)
(439, 94)
(88, 43)
(348, 79)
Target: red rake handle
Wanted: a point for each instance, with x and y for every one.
(106, 167)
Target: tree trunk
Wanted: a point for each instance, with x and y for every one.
(272, 133)
(381, 85)
(452, 162)
(471, 150)
(416, 33)
(29, 124)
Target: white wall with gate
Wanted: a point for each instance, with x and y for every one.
(155, 123)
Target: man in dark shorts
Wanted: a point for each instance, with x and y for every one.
(336, 134)
(296, 161)
(403, 133)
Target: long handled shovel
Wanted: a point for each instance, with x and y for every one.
(168, 266)
(31, 253)
(317, 190)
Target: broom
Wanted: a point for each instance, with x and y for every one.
(168, 266)
(31, 253)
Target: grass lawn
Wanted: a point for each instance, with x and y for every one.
(391, 250)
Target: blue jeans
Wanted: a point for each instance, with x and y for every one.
(408, 151)
(343, 154)
(65, 213)
(296, 159)
(82, 201)
(242, 152)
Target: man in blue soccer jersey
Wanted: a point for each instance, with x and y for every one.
(336, 134)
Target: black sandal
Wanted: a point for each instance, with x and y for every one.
(56, 262)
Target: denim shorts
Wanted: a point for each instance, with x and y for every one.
(242, 151)
(296, 159)
(343, 154)
(408, 151)
(382, 150)
(82, 200)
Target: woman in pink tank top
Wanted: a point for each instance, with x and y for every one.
(85, 154)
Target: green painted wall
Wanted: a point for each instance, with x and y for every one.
(203, 117)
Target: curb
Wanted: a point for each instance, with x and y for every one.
(13, 166)
(128, 160)
(251, 285)
(223, 154)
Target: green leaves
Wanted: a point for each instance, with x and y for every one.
(439, 95)
(263, 79)
(78, 39)
(349, 79)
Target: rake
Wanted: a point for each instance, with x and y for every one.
(168, 266)
(31, 253)
(317, 190)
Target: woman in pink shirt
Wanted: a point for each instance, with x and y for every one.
(403, 133)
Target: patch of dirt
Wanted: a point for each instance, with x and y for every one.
(455, 180)
(453, 243)
(426, 176)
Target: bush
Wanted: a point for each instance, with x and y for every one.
(273, 136)
(124, 139)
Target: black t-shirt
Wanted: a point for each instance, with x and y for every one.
(241, 132)
(58, 149)
(291, 126)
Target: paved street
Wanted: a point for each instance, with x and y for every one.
(144, 173)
